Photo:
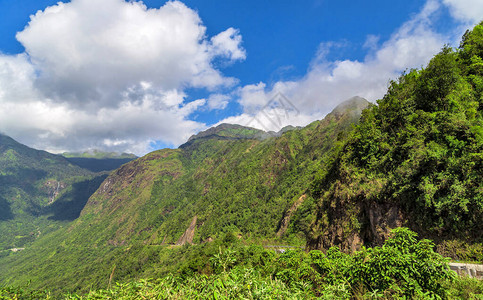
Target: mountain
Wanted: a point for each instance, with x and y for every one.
(97, 154)
(415, 160)
(227, 181)
(239, 173)
(98, 161)
(36, 188)
(227, 132)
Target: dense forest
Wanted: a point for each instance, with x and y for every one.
(416, 158)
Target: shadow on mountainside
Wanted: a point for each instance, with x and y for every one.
(99, 164)
(5, 210)
(69, 206)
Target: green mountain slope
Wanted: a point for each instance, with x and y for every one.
(416, 159)
(247, 179)
(36, 188)
(227, 181)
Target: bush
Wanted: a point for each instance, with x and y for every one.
(403, 266)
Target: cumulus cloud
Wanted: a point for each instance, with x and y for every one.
(327, 83)
(227, 43)
(218, 101)
(111, 74)
(470, 11)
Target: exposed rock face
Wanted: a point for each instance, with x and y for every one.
(288, 214)
(383, 218)
(53, 188)
(351, 225)
(189, 234)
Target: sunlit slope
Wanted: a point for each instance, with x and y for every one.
(416, 159)
(231, 178)
(228, 180)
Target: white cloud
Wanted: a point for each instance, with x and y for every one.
(227, 43)
(218, 101)
(111, 71)
(130, 126)
(470, 11)
(327, 83)
(91, 50)
(253, 97)
(371, 41)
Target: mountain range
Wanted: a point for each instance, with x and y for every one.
(39, 191)
(229, 179)
(413, 159)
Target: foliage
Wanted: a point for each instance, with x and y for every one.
(415, 158)
(237, 284)
(21, 293)
(239, 184)
(419, 151)
(465, 288)
(461, 250)
(403, 268)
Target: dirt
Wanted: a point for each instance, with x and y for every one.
(189, 234)
(288, 215)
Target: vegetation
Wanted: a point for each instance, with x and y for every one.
(402, 268)
(149, 203)
(416, 158)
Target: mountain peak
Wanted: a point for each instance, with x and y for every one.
(353, 106)
(227, 132)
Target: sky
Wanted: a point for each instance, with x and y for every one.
(137, 76)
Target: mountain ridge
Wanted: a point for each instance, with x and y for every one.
(34, 185)
(203, 191)
(339, 184)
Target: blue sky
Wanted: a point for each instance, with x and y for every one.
(137, 76)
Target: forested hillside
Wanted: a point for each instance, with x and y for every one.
(416, 159)
(37, 189)
(230, 181)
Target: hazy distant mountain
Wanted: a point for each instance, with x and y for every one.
(99, 155)
(35, 186)
(98, 161)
